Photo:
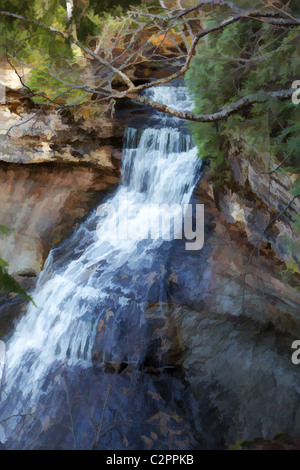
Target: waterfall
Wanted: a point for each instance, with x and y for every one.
(91, 301)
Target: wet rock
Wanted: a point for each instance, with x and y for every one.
(137, 411)
(240, 373)
(227, 276)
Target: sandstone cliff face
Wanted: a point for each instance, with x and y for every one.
(232, 313)
(52, 172)
(259, 197)
(228, 276)
(42, 204)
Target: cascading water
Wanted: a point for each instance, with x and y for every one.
(91, 301)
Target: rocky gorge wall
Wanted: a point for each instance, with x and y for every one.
(231, 316)
(232, 313)
(235, 318)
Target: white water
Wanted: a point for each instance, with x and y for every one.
(172, 96)
(158, 166)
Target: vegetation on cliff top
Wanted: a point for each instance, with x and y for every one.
(239, 61)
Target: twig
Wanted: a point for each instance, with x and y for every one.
(96, 443)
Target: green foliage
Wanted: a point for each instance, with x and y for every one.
(241, 60)
(55, 66)
(5, 230)
(89, 19)
(55, 79)
(34, 46)
(7, 282)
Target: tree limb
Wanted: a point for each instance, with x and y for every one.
(227, 111)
